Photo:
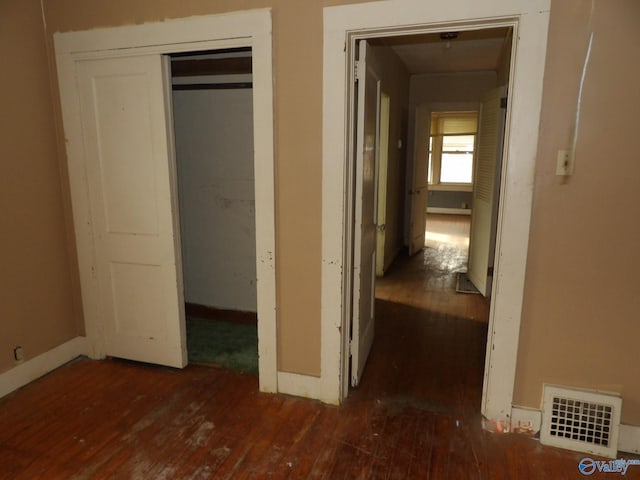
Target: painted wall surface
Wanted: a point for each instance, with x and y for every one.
(39, 301)
(449, 199)
(214, 154)
(395, 83)
(580, 321)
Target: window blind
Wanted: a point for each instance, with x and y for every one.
(454, 123)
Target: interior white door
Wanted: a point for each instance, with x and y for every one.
(365, 212)
(486, 190)
(383, 164)
(419, 182)
(128, 139)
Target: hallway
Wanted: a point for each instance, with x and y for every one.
(427, 280)
(430, 341)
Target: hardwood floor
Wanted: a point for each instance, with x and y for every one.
(427, 280)
(415, 414)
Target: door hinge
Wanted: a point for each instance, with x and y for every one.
(350, 348)
(357, 67)
(490, 272)
(503, 102)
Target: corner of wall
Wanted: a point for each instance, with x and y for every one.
(44, 363)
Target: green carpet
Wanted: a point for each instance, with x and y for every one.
(231, 345)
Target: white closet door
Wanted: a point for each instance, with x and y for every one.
(486, 191)
(127, 136)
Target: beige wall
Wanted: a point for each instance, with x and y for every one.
(581, 308)
(580, 313)
(395, 83)
(37, 306)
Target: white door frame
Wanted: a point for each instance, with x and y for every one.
(242, 29)
(344, 24)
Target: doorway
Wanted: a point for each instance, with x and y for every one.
(420, 53)
(448, 143)
(357, 22)
(430, 339)
(129, 49)
(213, 127)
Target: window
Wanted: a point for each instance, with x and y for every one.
(451, 147)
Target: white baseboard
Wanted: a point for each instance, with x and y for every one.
(299, 385)
(528, 421)
(629, 438)
(525, 420)
(449, 211)
(38, 366)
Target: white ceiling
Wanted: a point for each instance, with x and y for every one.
(474, 50)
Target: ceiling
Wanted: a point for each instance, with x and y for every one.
(471, 51)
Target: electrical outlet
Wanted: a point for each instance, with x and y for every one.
(18, 354)
(564, 165)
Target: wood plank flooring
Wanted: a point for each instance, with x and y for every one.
(427, 280)
(414, 416)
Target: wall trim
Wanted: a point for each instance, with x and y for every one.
(629, 438)
(32, 369)
(302, 386)
(249, 28)
(342, 26)
(527, 421)
(449, 211)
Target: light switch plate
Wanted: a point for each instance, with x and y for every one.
(564, 165)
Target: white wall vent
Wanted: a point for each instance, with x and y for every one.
(581, 420)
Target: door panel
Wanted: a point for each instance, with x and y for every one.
(419, 190)
(383, 163)
(365, 213)
(125, 108)
(486, 190)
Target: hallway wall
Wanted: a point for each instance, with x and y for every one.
(395, 82)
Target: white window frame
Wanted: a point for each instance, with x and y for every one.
(436, 160)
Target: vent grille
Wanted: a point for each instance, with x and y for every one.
(580, 420)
